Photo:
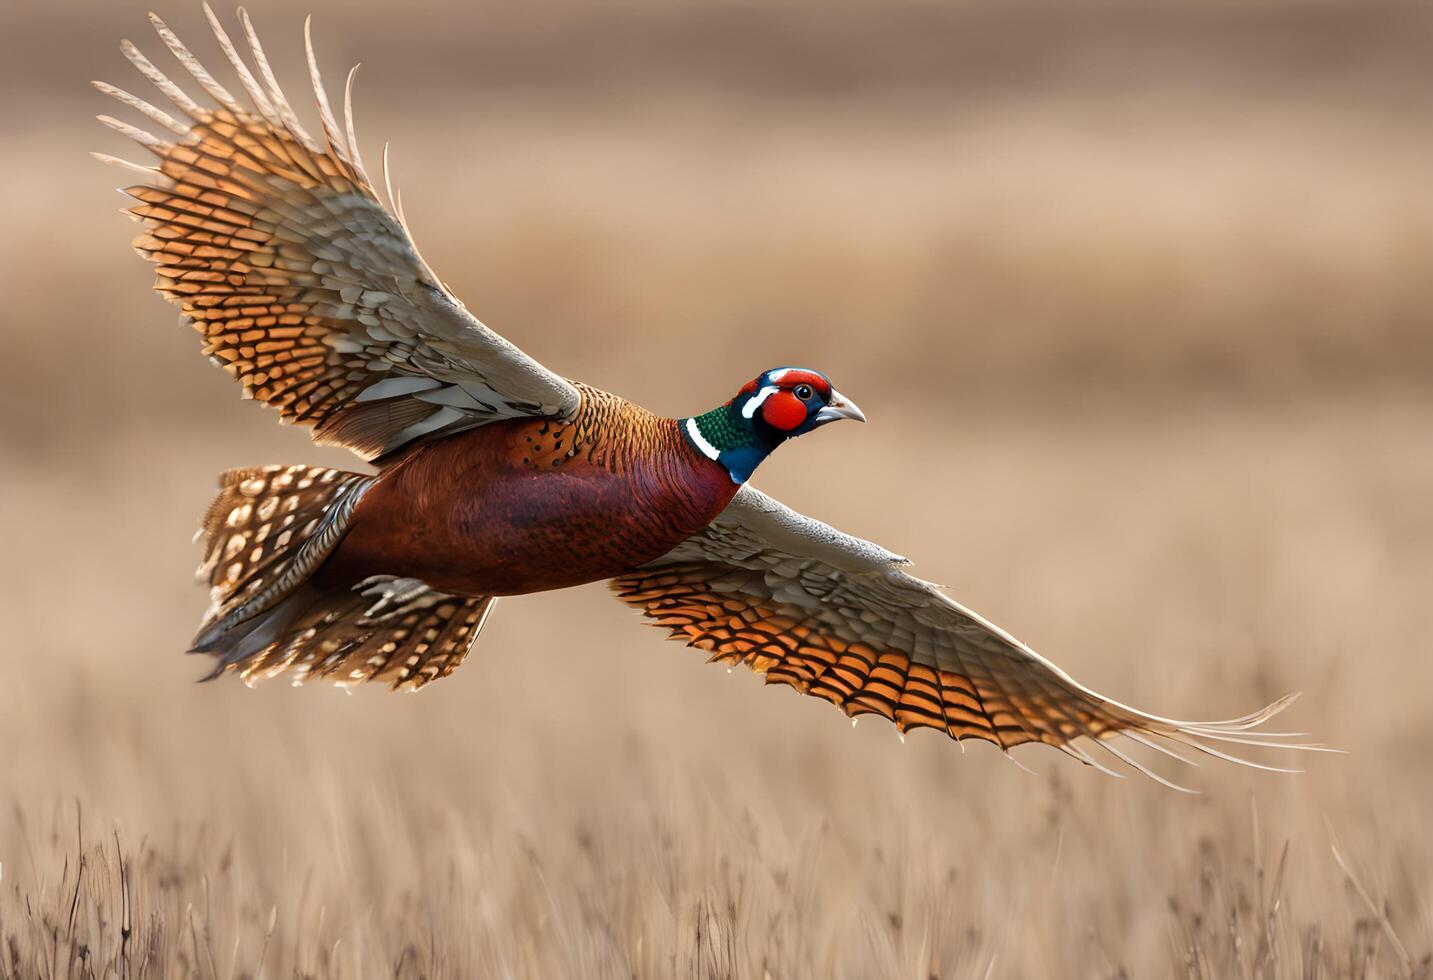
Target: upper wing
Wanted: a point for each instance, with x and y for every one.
(304, 286)
(834, 616)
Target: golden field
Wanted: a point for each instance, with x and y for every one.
(1138, 303)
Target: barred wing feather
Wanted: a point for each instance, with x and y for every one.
(836, 617)
(305, 287)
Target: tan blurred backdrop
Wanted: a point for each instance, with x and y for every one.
(1137, 298)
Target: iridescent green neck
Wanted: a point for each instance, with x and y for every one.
(729, 438)
(725, 429)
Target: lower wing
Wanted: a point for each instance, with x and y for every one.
(836, 617)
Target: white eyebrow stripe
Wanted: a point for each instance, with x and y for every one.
(754, 402)
(708, 450)
(779, 373)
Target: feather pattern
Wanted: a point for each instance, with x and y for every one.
(304, 286)
(265, 535)
(385, 629)
(309, 290)
(835, 617)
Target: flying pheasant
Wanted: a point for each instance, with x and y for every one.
(497, 477)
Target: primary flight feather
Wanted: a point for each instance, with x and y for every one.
(497, 477)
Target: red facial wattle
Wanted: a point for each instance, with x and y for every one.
(790, 377)
(783, 411)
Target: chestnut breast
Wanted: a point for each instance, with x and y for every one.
(534, 504)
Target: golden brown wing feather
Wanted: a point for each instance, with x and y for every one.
(835, 617)
(304, 286)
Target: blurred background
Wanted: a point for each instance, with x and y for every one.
(1137, 298)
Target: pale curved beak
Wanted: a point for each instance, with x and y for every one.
(839, 407)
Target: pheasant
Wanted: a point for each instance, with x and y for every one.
(496, 477)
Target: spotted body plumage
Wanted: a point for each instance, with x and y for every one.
(496, 477)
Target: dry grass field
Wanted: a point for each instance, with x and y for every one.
(1138, 300)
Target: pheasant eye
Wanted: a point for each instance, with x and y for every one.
(802, 392)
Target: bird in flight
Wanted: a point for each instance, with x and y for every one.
(497, 477)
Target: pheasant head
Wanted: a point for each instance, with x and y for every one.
(774, 406)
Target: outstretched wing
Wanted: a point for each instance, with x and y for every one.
(835, 616)
(305, 287)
